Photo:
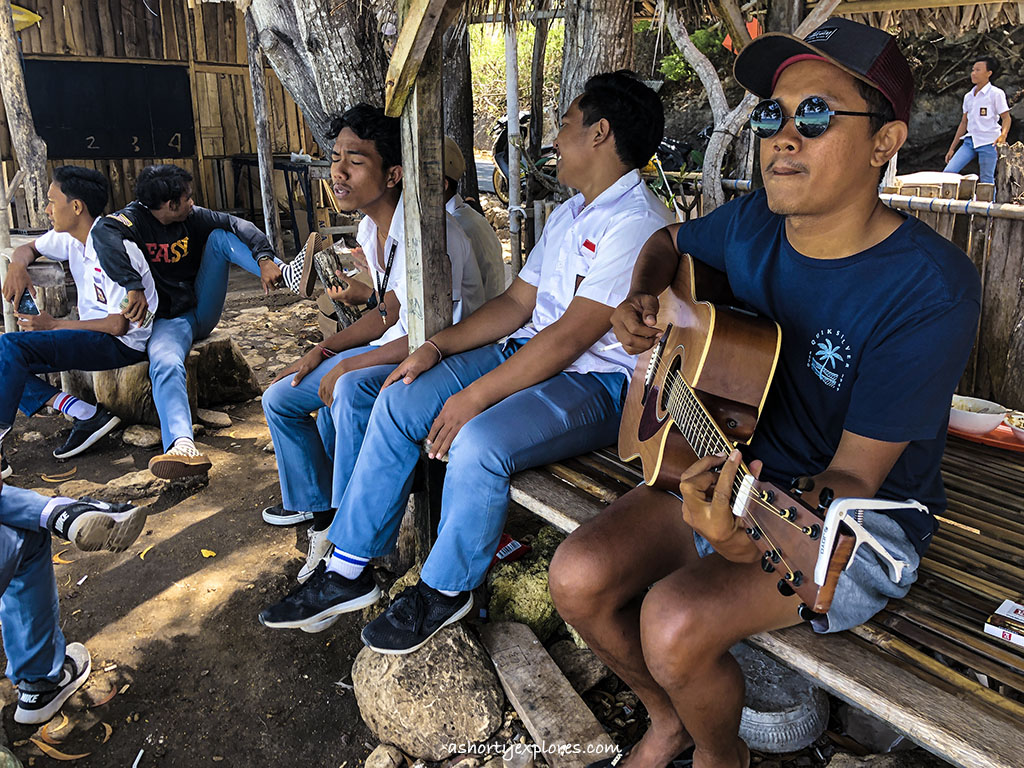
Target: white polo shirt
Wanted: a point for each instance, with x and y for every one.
(485, 244)
(983, 110)
(467, 287)
(98, 295)
(590, 252)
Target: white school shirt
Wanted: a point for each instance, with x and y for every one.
(467, 287)
(600, 244)
(485, 244)
(98, 295)
(983, 110)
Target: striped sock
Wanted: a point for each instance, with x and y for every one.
(71, 406)
(346, 565)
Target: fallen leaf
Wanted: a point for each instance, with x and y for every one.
(208, 553)
(105, 699)
(107, 731)
(142, 554)
(56, 754)
(61, 477)
(58, 559)
(48, 733)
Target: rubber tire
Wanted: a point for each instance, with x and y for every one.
(500, 185)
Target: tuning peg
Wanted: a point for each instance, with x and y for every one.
(784, 588)
(807, 614)
(825, 499)
(802, 485)
(766, 563)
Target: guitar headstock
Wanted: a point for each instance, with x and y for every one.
(788, 531)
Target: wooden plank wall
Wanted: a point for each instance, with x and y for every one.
(210, 38)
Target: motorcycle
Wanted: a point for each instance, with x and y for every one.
(540, 181)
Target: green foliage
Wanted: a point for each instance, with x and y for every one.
(708, 41)
(487, 65)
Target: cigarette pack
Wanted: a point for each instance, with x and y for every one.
(1007, 622)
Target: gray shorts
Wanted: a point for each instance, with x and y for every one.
(865, 587)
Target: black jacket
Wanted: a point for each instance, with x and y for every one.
(174, 252)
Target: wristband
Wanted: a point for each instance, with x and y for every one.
(372, 301)
(440, 354)
(263, 257)
(325, 351)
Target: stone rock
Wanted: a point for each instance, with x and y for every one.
(131, 487)
(215, 419)
(580, 666)
(269, 447)
(912, 758)
(31, 437)
(222, 372)
(8, 759)
(576, 637)
(385, 756)
(407, 579)
(76, 489)
(198, 430)
(444, 693)
(142, 436)
(519, 590)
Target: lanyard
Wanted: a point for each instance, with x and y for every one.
(382, 284)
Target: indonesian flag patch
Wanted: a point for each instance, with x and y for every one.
(589, 245)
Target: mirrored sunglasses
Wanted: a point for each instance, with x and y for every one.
(811, 118)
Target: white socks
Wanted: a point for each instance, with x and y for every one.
(346, 565)
(71, 406)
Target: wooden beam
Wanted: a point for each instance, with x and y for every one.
(258, 78)
(414, 39)
(872, 6)
(553, 713)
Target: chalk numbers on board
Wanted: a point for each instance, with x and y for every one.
(135, 145)
(175, 142)
(91, 142)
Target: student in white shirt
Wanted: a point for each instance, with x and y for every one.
(985, 124)
(101, 339)
(553, 389)
(482, 238)
(341, 377)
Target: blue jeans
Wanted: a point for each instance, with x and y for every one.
(29, 610)
(566, 415)
(173, 336)
(966, 152)
(29, 352)
(315, 460)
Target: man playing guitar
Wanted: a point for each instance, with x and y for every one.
(877, 314)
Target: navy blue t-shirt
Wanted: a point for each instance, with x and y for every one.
(873, 343)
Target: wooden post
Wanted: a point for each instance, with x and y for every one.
(10, 323)
(515, 210)
(258, 77)
(535, 137)
(29, 149)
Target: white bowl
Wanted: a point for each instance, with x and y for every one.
(1015, 421)
(974, 415)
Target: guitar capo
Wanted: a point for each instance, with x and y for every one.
(849, 513)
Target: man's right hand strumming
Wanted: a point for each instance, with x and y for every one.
(635, 323)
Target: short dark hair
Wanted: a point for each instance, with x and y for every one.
(159, 184)
(633, 111)
(877, 103)
(370, 123)
(85, 184)
(993, 66)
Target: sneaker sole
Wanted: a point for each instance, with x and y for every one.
(7, 472)
(103, 431)
(455, 617)
(113, 531)
(292, 518)
(324, 619)
(44, 714)
(176, 467)
(314, 244)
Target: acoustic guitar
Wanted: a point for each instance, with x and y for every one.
(699, 391)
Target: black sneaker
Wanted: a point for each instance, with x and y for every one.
(413, 618)
(5, 468)
(91, 525)
(316, 604)
(278, 515)
(85, 432)
(40, 700)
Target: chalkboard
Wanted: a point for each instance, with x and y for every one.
(111, 110)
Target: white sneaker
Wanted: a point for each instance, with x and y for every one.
(319, 550)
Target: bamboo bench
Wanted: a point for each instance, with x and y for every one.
(924, 664)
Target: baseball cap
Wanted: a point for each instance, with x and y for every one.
(868, 54)
(454, 162)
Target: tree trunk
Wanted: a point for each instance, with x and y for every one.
(540, 44)
(458, 103)
(29, 149)
(327, 55)
(784, 15)
(598, 38)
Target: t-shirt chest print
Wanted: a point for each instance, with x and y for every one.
(829, 357)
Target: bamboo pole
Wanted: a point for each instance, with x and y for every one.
(258, 79)
(516, 214)
(945, 205)
(10, 323)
